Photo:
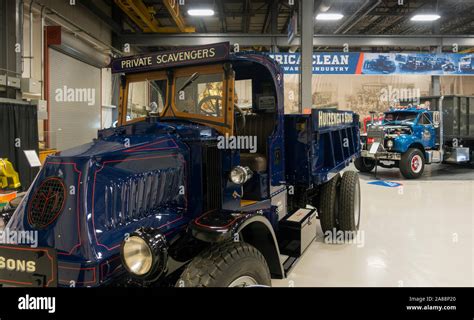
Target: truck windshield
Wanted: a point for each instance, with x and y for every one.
(408, 117)
(202, 96)
(144, 97)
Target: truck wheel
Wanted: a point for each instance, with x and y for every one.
(328, 204)
(412, 163)
(364, 164)
(349, 211)
(232, 264)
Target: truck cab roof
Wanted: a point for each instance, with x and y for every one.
(412, 109)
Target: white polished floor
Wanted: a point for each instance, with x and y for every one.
(420, 234)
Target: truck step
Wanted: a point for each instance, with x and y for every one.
(297, 231)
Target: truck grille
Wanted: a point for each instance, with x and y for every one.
(212, 175)
(141, 195)
(376, 133)
(47, 203)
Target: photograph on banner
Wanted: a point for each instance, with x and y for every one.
(380, 63)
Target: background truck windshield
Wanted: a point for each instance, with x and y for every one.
(203, 96)
(400, 116)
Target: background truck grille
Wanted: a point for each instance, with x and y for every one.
(47, 203)
(212, 177)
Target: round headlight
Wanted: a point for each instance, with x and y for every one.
(240, 175)
(390, 144)
(137, 256)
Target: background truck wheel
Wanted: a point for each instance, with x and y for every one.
(232, 264)
(349, 199)
(364, 164)
(412, 163)
(328, 204)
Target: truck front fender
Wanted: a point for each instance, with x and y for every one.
(253, 228)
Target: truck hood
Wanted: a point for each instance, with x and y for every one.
(85, 200)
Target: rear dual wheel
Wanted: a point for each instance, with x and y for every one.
(339, 204)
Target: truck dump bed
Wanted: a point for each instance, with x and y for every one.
(458, 116)
(319, 145)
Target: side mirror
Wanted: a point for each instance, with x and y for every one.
(436, 118)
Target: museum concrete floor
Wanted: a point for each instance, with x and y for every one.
(419, 234)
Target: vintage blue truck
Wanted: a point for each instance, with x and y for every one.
(190, 189)
(410, 137)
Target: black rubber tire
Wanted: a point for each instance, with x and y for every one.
(364, 164)
(405, 164)
(350, 201)
(328, 204)
(223, 263)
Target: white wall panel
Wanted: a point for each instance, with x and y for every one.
(74, 101)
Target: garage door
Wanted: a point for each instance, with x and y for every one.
(74, 101)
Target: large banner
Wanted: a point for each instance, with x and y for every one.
(380, 63)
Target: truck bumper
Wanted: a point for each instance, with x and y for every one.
(381, 155)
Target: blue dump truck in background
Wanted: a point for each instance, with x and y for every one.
(410, 137)
(190, 189)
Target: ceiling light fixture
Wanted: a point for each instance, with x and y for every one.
(329, 16)
(201, 12)
(425, 17)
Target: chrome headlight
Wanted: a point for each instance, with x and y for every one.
(240, 175)
(144, 254)
(390, 144)
(137, 256)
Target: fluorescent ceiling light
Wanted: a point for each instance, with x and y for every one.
(329, 16)
(201, 12)
(425, 17)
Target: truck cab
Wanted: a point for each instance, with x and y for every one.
(204, 181)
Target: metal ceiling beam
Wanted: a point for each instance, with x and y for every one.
(220, 7)
(246, 39)
(90, 5)
(267, 15)
(246, 16)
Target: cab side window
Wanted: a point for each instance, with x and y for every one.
(424, 119)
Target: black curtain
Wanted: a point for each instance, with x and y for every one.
(18, 132)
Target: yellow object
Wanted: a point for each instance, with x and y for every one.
(8, 176)
(144, 16)
(43, 154)
(244, 203)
